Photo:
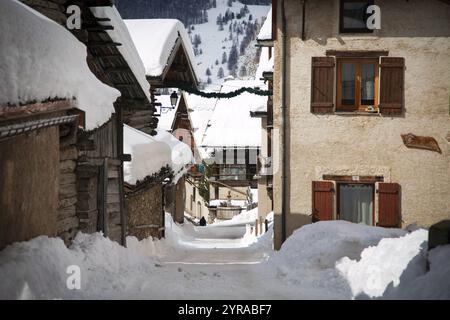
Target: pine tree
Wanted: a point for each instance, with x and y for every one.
(214, 4)
(221, 26)
(232, 58)
(230, 3)
(217, 62)
(208, 72)
(220, 73)
(209, 81)
(224, 57)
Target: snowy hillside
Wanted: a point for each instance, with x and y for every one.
(213, 40)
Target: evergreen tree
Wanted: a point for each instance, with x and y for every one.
(214, 4)
(224, 57)
(220, 73)
(208, 72)
(232, 58)
(230, 3)
(217, 62)
(209, 81)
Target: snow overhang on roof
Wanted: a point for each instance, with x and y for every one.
(43, 61)
(265, 37)
(164, 47)
(150, 154)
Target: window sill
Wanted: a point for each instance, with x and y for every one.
(357, 113)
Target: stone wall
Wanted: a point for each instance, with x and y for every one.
(144, 209)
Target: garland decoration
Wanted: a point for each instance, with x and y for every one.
(224, 95)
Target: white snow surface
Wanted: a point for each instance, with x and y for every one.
(266, 30)
(226, 263)
(382, 264)
(231, 124)
(155, 40)
(200, 111)
(41, 60)
(150, 154)
(121, 35)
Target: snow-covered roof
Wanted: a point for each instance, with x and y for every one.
(167, 115)
(266, 30)
(150, 154)
(231, 124)
(266, 64)
(128, 50)
(200, 111)
(41, 60)
(155, 41)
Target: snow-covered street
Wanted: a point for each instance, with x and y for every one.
(215, 262)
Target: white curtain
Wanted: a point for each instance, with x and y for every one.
(356, 203)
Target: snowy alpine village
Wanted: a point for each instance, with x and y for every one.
(225, 150)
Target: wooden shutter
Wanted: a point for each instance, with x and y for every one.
(389, 205)
(392, 85)
(322, 84)
(322, 200)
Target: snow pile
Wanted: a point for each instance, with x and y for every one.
(41, 60)
(266, 30)
(321, 244)
(150, 154)
(121, 35)
(434, 284)
(382, 264)
(155, 41)
(231, 124)
(37, 269)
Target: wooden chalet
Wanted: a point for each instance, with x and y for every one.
(98, 165)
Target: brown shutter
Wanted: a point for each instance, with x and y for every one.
(322, 200)
(389, 205)
(392, 85)
(322, 84)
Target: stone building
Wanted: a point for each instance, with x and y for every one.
(363, 113)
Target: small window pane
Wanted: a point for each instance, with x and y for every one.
(348, 84)
(368, 84)
(354, 14)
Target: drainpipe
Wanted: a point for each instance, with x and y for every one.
(283, 123)
(303, 19)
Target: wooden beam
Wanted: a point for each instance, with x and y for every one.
(94, 44)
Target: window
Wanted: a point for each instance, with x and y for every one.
(233, 172)
(356, 202)
(353, 16)
(357, 84)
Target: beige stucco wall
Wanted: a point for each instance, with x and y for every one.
(264, 202)
(367, 145)
(199, 209)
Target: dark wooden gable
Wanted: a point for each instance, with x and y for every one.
(179, 70)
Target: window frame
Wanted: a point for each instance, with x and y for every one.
(342, 29)
(358, 106)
